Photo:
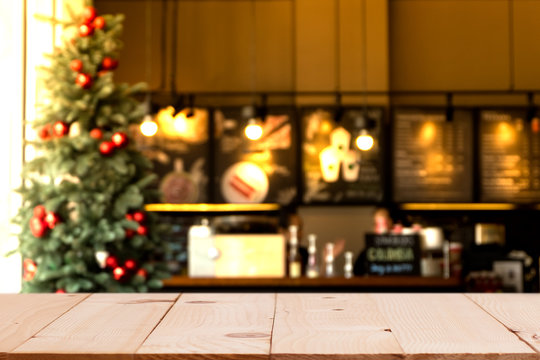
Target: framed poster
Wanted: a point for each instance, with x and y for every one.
(509, 156)
(334, 169)
(255, 171)
(180, 154)
(432, 157)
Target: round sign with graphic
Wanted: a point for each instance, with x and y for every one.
(244, 182)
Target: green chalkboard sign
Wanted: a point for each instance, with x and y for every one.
(389, 254)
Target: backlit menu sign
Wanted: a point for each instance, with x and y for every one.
(432, 156)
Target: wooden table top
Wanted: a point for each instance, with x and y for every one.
(283, 326)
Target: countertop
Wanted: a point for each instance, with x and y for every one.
(269, 326)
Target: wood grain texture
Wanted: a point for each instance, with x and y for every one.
(448, 326)
(331, 326)
(213, 326)
(23, 315)
(520, 313)
(103, 326)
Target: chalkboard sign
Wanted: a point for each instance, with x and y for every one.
(509, 156)
(255, 171)
(392, 254)
(334, 169)
(179, 152)
(432, 156)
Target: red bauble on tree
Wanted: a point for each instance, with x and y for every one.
(86, 30)
(38, 227)
(119, 273)
(96, 134)
(109, 63)
(139, 216)
(142, 230)
(45, 132)
(60, 291)
(99, 22)
(129, 217)
(60, 129)
(89, 14)
(40, 212)
(119, 139)
(130, 265)
(142, 273)
(51, 219)
(111, 262)
(30, 268)
(129, 233)
(83, 80)
(76, 65)
(106, 148)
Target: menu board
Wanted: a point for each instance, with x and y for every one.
(432, 156)
(509, 157)
(179, 152)
(334, 169)
(392, 254)
(255, 171)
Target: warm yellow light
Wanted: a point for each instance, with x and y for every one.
(326, 127)
(364, 141)
(505, 133)
(180, 123)
(428, 133)
(149, 128)
(253, 131)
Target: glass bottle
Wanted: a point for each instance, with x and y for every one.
(312, 270)
(329, 260)
(348, 269)
(294, 260)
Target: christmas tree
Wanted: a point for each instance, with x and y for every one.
(83, 226)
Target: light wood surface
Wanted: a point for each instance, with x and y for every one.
(23, 315)
(434, 326)
(330, 326)
(208, 326)
(520, 313)
(269, 326)
(111, 325)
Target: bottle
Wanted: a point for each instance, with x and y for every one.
(312, 270)
(329, 260)
(294, 260)
(348, 269)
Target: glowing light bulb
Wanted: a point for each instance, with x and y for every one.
(149, 127)
(364, 141)
(253, 131)
(180, 123)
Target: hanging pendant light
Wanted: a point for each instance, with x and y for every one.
(364, 141)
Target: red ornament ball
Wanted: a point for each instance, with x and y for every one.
(51, 219)
(139, 216)
(45, 132)
(129, 217)
(142, 230)
(106, 148)
(39, 212)
(83, 80)
(38, 227)
(111, 262)
(119, 139)
(96, 134)
(130, 264)
(76, 65)
(89, 14)
(119, 273)
(143, 273)
(60, 128)
(86, 30)
(60, 291)
(30, 269)
(129, 233)
(99, 22)
(109, 63)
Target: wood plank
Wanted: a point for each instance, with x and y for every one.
(331, 326)
(448, 326)
(213, 326)
(525, 34)
(520, 313)
(104, 326)
(23, 315)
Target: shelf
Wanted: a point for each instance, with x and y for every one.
(458, 206)
(218, 208)
(402, 282)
